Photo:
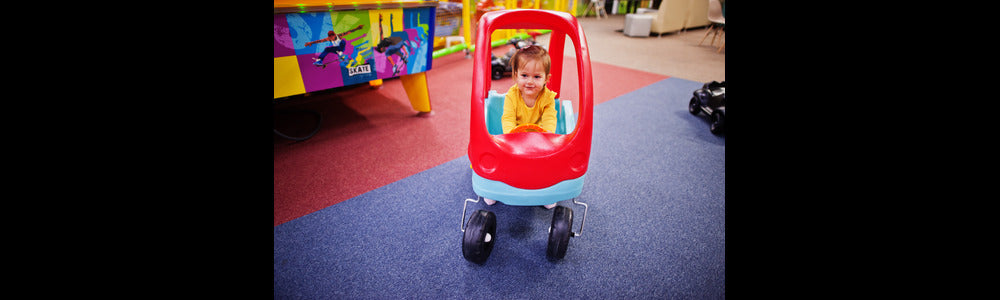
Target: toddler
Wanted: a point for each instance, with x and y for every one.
(529, 101)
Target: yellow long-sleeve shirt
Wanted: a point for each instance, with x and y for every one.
(516, 113)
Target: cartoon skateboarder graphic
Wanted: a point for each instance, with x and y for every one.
(338, 45)
(394, 45)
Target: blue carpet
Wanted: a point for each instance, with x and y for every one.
(656, 227)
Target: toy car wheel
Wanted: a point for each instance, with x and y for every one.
(718, 123)
(480, 234)
(693, 106)
(497, 74)
(559, 233)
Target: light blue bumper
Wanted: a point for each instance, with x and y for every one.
(509, 195)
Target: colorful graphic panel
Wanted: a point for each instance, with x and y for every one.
(338, 48)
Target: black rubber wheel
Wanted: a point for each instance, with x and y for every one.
(718, 123)
(480, 234)
(559, 233)
(693, 106)
(497, 74)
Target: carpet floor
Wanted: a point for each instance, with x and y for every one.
(655, 229)
(369, 138)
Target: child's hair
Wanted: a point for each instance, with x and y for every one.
(533, 52)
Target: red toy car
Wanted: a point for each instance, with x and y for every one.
(528, 168)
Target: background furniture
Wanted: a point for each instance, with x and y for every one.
(675, 15)
(638, 24)
(718, 23)
(598, 7)
(298, 24)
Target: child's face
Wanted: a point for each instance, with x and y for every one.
(531, 78)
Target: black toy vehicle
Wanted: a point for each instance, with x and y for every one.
(711, 99)
(501, 65)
